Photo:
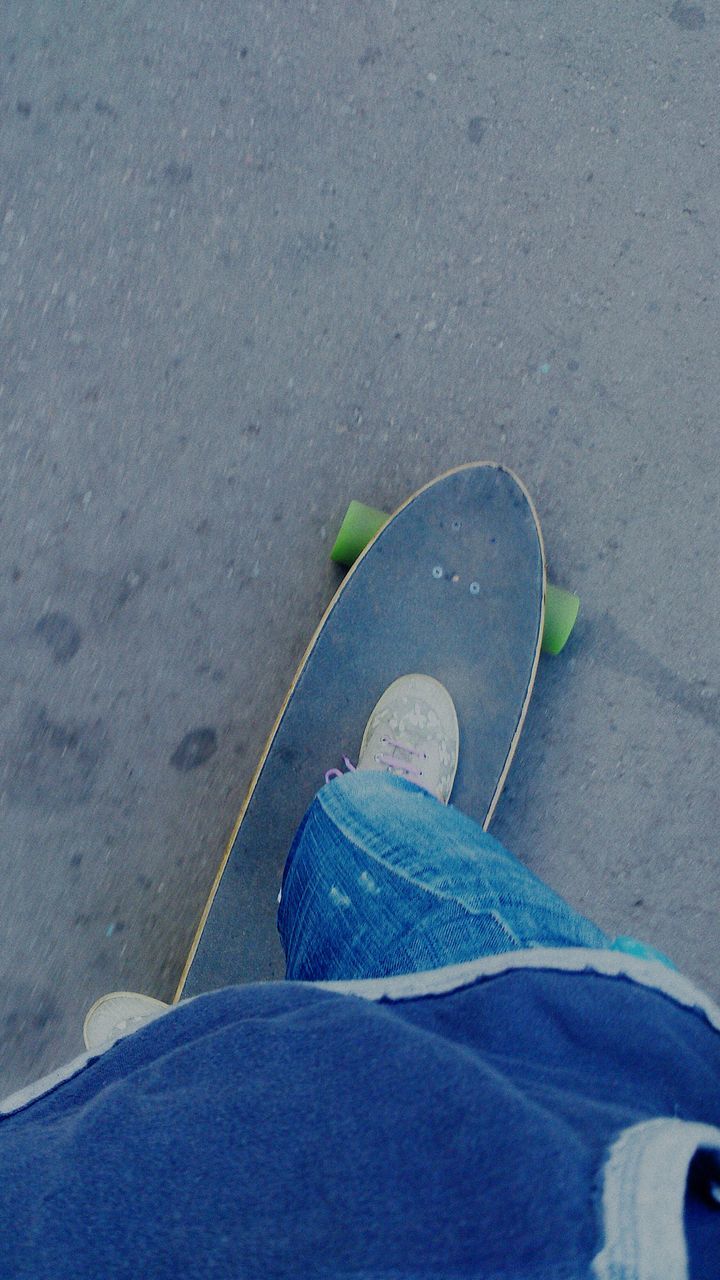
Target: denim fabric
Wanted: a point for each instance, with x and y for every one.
(383, 879)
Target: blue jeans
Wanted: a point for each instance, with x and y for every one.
(383, 879)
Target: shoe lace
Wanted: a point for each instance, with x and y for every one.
(392, 762)
(338, 773)
(389, 761)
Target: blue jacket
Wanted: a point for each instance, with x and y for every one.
(546, 1115)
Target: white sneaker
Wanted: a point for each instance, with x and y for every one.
(413, 732)
(116, 1015)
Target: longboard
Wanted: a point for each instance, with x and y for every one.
(452, 586)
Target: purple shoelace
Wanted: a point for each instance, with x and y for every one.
(390, 762)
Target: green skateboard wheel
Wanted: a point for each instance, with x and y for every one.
(561, 610)
(359, 527)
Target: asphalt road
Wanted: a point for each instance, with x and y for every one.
(257, 259)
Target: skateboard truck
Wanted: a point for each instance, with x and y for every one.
(362, 523)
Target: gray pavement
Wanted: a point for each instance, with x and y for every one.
(257, 259)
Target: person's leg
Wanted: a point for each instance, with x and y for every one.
(383, 879)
